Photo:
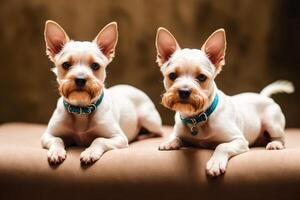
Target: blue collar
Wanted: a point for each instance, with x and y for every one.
(202, 117)
(83, 110)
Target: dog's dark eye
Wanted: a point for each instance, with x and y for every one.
(172, 76)
(66, 65)
(95, 66)
(201, 78)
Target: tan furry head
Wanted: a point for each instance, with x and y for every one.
(80, 66)
(189, 73)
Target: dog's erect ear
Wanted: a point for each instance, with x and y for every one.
(166, 45)
(55, 38)
(107, 39)
(215, 47)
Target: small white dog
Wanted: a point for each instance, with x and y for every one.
(205, 116)
(87, 113)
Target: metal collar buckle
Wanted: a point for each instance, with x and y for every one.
(204, 116)
(194, 121)
(70, 110)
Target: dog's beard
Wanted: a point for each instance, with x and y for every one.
(192, 106)
(83, 96)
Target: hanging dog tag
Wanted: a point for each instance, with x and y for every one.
(194, 130)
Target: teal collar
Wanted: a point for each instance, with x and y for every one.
(83, 110)
(202, 117)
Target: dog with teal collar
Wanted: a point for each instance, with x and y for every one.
(205, 116)
(87, 114)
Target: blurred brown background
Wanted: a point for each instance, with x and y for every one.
(263, 46)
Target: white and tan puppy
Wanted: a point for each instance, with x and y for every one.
(87, 113)
(205, 116)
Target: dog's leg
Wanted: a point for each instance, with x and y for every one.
(218, 162)
(277, 139)
(150, 119)
(274, 122)
(174, 142)
(56, 148)
(100, 145)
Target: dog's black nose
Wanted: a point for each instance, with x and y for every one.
(80, 82)
(184, 93)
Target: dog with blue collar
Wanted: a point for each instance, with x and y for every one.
(205, 116)
(88, 114)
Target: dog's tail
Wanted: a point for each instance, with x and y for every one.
(280, 86)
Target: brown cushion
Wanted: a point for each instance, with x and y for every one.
(143, 172)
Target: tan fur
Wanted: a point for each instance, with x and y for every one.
(81, 97)
(172, 101)
(196, 102)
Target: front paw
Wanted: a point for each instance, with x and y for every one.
(56, 155)
(171, 145)
(275, 145)
(216, 166)
(90, 155)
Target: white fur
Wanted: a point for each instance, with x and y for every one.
(277, 87)
(237, 122)
(115, 122)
